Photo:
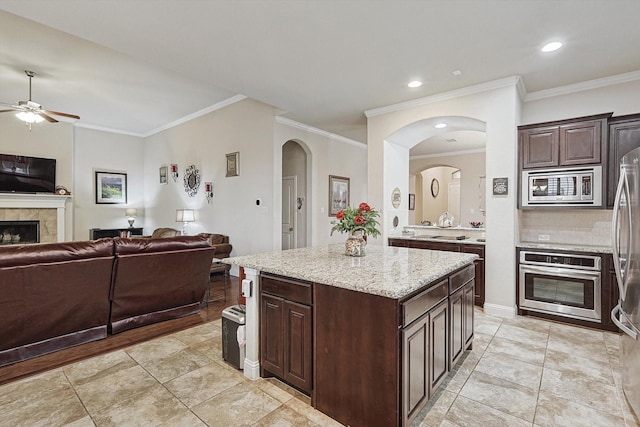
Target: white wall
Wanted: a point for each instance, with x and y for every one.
(325, 156)
(246, 127)
(294, 164)
(106, 152)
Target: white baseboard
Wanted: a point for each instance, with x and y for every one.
(500, 310)
(251, 369)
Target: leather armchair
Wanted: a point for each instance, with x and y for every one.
(221, 244)
(165, 232)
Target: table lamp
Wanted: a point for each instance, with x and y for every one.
(131, 213)
(184, 216)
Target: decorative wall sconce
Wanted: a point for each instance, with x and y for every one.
(208, 191)
(185, 216)
(174, 172)
(131, 213)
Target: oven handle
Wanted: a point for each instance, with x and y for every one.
(614, 317)
(566, 272)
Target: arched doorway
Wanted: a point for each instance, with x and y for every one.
(295, 195)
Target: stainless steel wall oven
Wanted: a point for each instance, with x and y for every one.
(561, 284)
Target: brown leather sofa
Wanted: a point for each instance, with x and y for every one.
(53, 296)
(220, 242)
(158, 279)
(58, 295)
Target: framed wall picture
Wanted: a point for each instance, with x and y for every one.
(111, 187)
(412, 202)
(233, 164)
(500, 186)
(338, 194)
(163, 173)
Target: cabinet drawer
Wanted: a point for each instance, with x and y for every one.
(299, 292)
(423, 302)
(461, 277)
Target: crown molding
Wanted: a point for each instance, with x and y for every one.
(449, 154)
(469, 90)
(214, 107)
(582, 86)
(311, 129)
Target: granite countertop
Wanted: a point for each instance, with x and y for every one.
(566, 247)
(386, 271)
(468, 240)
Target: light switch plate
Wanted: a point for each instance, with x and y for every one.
(246, 288)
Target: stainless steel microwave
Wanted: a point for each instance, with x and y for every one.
(573, 187)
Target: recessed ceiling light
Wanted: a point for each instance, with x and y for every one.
(440, 126)
(415, 83)
(550, 47)
(457, 73)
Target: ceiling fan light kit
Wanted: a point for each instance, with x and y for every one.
(31, 112)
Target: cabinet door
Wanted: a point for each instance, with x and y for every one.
(272, 334)
(580, 143)
(415, 354)
(297, 345)
(479, 264)
(539, 147)
(438, 345)
(468, 300)
(434, 246)
(398, 242)
(456, 314)
(624, 136)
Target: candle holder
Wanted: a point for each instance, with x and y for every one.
(208, 191)
(174, 172)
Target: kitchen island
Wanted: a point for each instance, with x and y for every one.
(370, 338)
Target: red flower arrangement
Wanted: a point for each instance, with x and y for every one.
(363, 218)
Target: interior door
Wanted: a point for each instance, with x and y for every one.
(289, 192)
(453, 204)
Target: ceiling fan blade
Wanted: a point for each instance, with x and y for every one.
(4, 104)
(6, 111)
(47, 118)
(72, 116)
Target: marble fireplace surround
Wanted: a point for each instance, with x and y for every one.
(14, 206)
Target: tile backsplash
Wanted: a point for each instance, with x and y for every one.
(589, 227)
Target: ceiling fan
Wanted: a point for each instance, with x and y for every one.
(31, 112)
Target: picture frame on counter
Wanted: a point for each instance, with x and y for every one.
(111, 188)
(338, 194)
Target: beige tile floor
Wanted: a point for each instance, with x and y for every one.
(522, 372)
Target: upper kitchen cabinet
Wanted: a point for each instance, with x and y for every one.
(569, 142)
(624, 136)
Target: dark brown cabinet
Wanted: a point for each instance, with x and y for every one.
(286, 331)
(562, 143)
(439, 339)
(479, 288)
(624, 136)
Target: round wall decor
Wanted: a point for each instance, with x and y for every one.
(435, 187)
(191, 180)
(395, 198)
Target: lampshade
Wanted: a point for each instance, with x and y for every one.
(131, 212)
(185, 215)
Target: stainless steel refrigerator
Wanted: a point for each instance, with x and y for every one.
(626, 258)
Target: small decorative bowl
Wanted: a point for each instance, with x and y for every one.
(475, 224)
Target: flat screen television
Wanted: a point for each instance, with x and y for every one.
(23, 174)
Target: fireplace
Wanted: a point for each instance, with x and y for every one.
(48, 209)
(19, 232)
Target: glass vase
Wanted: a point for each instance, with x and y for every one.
(355, 244)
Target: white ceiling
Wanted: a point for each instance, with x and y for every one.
(138, 66)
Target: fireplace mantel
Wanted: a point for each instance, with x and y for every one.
(38, 201)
